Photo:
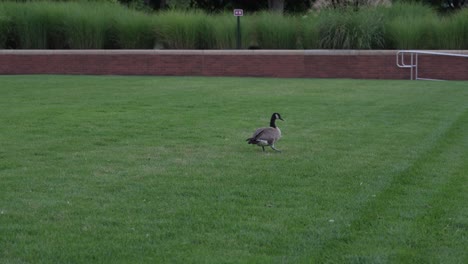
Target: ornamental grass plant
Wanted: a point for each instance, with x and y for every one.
(410, 26)
(184, 30)
(35, 26)
(224, 31)
(453, 31)
(87, 27)
(5, 27)
(310, 34)
(132, 30)
(276, 31)
(348, 29)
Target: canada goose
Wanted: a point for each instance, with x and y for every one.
(267, 136)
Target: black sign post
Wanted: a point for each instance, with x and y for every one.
(238, 13)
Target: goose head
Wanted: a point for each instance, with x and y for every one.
(273, 119)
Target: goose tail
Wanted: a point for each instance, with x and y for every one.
(251, 141)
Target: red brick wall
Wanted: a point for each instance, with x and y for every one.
(260, 63)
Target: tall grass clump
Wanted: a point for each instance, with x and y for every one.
(452, 32)
(108, 25)
(413, 33)
(5, 25)
(76, 25)
(224, 29)
(132, 30)
(410, 26)
(36, 25)
(310, 32)
(348, 29)
(459, 26)
(406, 9)
(249, 33)
(88, 25)
(184, 30)
(28, 23)
(276, 31)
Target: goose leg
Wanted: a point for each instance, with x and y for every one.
(263, 148)
(273, 147)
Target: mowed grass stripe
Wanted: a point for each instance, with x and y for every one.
(417, 218)
(125, 169)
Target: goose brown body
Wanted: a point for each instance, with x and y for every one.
(267, 136)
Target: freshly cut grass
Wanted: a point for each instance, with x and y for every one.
(156, 169)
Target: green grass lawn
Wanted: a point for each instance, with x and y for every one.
(156, 169)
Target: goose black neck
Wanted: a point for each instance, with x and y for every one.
(272, 121)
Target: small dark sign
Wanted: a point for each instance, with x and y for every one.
(238, 12)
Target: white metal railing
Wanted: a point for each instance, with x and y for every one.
(413, 64)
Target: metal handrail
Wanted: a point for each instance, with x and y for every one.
(400, 60)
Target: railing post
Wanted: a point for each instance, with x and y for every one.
(414, 56)
(412, 66)
(416, 69)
